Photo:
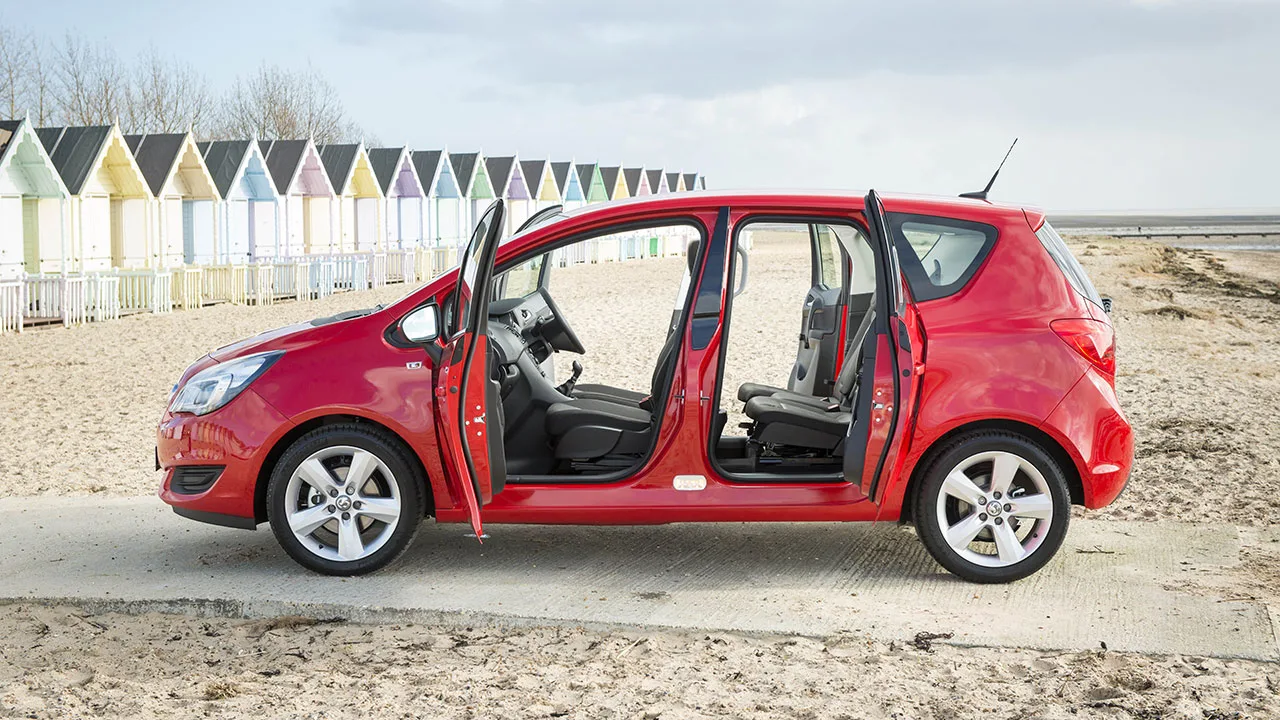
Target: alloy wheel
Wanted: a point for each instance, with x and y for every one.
(995, 509)
(343, 503)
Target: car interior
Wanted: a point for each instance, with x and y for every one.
(569, 431)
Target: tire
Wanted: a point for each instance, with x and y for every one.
(1032, 512)
(345, 530)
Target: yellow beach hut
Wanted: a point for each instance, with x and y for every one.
(360, 200)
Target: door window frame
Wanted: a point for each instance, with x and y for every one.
(851, 218)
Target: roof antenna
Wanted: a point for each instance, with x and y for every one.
(982, 194)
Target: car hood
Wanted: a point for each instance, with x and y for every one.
(260, 342)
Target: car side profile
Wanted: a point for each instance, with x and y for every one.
(954, 369)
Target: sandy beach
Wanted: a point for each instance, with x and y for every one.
(1199, 344)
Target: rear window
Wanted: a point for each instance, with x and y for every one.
(1067, 263)
(939, 255)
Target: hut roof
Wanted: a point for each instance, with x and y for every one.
(427, 164)
(610, 177)
(533, 169)
(224, 159)
(7, 130)
(633, 177)
(690, 181)
(501, 170)
(283, 158)
(655, 179)
(464, 169)
(74, 151)
(560, 171)
(156, 156)
(339, 161)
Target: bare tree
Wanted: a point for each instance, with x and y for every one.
(15, 70)
(275, 103)
(89, 82)
(165, 96)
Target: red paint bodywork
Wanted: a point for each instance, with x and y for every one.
(988, 356)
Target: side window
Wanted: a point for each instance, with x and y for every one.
(521, 280)
(830, 273)
(939, 255)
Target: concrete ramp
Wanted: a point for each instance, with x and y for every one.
(1122, 583)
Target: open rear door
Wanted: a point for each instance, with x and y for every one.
(884, 411)
(468, 402)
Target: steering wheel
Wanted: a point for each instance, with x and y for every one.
(556, 330)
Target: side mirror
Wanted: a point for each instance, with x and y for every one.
(421, 325)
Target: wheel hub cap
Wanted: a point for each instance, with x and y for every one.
(993, 508)
(344, 503)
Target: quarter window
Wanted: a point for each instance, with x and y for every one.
(939, 255)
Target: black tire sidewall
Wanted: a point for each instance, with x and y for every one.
(931, 534)
(387, 449)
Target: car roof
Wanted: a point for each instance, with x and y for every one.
(896, 202)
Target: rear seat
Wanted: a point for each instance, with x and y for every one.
(787, 418)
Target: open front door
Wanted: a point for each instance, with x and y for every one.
(885, 407)
(468, 403)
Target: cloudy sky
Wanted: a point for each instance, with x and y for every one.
(1120, 104)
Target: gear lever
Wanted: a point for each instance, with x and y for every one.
(566, 387)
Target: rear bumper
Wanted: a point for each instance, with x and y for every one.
(1093, 429)
(238, 438)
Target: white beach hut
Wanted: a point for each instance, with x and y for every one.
(185, 211)
(33, 205)
(405, 196)
(110, 202)
(249, 217)
(309, 217)
(444, 208)
(360, 200)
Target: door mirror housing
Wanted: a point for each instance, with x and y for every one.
(421, 325)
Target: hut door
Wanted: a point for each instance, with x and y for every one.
(188, 232)
(31, 234)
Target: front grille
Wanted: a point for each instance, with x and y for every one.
(194, 479)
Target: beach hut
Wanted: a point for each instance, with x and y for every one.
(568, 184)
(542, 185)
(615, 185)
(306, 195)
(110, 202)
(657, 181)
(359, 201)
(675, 182)
(249, 216)
(593, 188)
(444, 211)
(477, 189)
(509, 184)
(405, 196)
(637, 182)
(184, 214)
(33, 205)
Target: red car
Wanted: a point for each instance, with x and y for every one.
(955, 370)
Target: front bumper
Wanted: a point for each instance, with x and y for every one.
(1091, 426)
(238, 438)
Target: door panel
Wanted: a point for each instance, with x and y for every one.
(468, 402)
(885, 407)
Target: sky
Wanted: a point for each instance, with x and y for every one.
(1117, 104)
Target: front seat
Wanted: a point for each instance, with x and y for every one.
(590, 428)
(631, 398)
(802, 421)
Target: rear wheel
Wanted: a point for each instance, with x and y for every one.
(992, 507)
(344, 500)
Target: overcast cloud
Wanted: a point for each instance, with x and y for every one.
(1119, 105)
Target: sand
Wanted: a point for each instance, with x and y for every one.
(1199, 338)
(57, 663)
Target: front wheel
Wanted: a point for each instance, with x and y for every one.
(992, 507)
(344, 500)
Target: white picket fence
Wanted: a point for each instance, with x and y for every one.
(95, 297)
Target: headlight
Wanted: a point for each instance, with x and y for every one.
(216, 386)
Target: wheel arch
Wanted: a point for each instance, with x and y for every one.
(1044, 440)
(289, 438)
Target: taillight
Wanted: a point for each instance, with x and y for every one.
(1094, 340)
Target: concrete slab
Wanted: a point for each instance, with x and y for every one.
(811, 579)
